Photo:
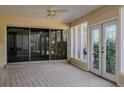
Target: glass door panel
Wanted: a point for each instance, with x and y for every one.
(53, 44)
(39, 43)
(58, 45)
(61, 44)
(95, 50)
(109, 43)
(17, 44)
(64, 47)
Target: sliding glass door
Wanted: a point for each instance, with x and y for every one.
(35, 44)
(39, 44)
(58, 44)
(17, 44)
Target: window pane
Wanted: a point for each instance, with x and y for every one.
(64, 51)
(58, 44)
(95, 47)
(110, 36)
(39, 43)
(53, 44)
(79, 41)
(84, 41)
(17, 44)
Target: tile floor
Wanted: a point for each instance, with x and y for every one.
(49, 75)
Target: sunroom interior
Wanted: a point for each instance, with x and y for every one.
(84, 38)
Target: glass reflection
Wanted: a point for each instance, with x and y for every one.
(58, 44)
(110, 48)
(39, 44)
(95, 35)
(17, 44)
(35, 44)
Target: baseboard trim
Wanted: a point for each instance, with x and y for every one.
(41, 62)
(78, 63)
(1, 66)
(80, 67)
(120, 85)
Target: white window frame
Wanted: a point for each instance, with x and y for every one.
(72, 42)
(76, 42)
(121, 61)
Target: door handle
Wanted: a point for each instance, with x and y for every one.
(102, 47)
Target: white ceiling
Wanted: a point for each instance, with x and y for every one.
(39, 11)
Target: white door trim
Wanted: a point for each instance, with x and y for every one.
(117, 43)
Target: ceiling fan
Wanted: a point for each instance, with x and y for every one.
(52, 12)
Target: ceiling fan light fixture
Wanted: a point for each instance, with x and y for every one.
(52, 12)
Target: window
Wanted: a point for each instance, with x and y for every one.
(79, 41)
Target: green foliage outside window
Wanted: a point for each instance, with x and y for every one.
(96, 55)
(110, 55)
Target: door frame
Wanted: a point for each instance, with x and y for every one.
(117, 44)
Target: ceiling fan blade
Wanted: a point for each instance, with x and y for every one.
(62, 10)
(50, 8)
